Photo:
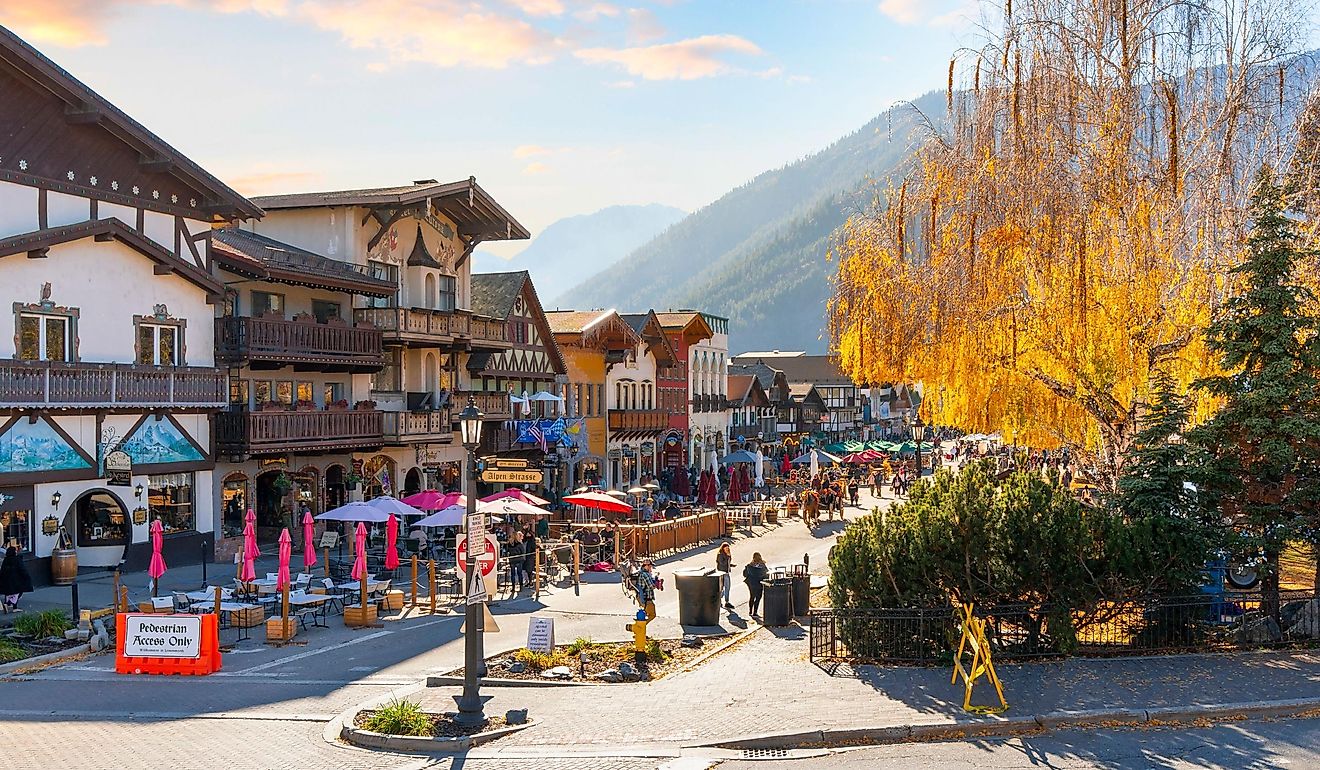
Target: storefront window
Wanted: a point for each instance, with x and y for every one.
(233, 504)
(101, 520)
(16, 517)
(378, 477)
(171, 501)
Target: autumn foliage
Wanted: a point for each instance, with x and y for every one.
(1070, 232)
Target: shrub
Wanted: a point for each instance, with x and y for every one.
(10, 651)
(537, 662)
(399, 717)
(40, 625)
(579, 645)
(655, 653)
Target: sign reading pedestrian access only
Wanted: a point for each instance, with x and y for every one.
(149, 643)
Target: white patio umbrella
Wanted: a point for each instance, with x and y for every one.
(355, 511)
(815, 465)
(760, 469)
(390, 504)
(526, 404)
(445, 517)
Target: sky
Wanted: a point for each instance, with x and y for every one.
(557, 107)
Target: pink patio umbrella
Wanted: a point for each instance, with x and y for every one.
(250, 550)
(309, 546)
(431, 500)
(516, 494)
(360, 561)
(282, 576)
(392, 543)
(157, 566)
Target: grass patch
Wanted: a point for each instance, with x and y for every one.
(579, 645)
(399, 717)
(655, 653)
(40, 625)
(10, 652)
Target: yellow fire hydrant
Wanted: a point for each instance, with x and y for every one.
(638, 627)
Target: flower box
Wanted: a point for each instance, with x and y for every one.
(280, 630)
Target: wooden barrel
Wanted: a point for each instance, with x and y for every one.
(63, 566)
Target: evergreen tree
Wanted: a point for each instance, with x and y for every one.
(1260, 450)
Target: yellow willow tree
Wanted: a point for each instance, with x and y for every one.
(1069, 231)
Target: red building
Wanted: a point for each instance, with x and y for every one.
(684, 329)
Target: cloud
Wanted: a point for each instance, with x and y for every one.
(691, 59)
(73, 23)
(644, 27)
(530, 151)
(539, 7)
(902, 11)
(597, 11)
(534, 168)
(932, 13)
(621, 84)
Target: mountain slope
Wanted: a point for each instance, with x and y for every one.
(757, 255)
(572, 249)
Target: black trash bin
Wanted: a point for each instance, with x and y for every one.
(777, 601)
(698, 597)
(801, 589)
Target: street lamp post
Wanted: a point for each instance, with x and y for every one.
(470, 702)
(918, 435)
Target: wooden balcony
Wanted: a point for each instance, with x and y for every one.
(422, 327)
(60, 385)
(419, 427)
(271, 343)
(495, 406)
(258, 433)
(638, 419)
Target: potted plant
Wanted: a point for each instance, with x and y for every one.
(352, 480)
(305, 406)
(282, 484)
(365, 405)
(338, 406)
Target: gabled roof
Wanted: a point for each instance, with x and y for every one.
(590, 328)
(821, 370)
(574, 321)
(266, 259)
(648, 327)
(493, 294)
(739, 386)
(37, 242)
(469, 206)
(764, 373)
(688, 322)
(85, 106)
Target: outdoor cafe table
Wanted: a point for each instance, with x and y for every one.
(320, 601)
(373, 585)
(226, 608)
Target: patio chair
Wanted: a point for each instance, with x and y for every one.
(314, 615)
(336, 596)
(162, 603)
(181, 601)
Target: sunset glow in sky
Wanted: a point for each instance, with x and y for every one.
(559, 107)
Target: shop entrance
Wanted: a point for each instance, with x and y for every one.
(273, 505)
(336, 492)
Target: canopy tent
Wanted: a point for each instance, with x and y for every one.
(824, 458)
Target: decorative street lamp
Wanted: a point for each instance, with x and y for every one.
(918, 435)
(470, 702)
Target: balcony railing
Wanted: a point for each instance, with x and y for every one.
(638, 419)
(713, 402)
(328, 346)
(421, 326)
(254, 433)
(494, 405)
(419, 427)
(87, 385)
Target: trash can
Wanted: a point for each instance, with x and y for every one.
(801, 589)
(777, 601)
(698, 597)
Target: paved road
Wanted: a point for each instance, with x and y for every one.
(1241, 746)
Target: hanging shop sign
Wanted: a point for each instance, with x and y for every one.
(118, 469)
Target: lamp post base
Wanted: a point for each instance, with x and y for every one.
(471, 709)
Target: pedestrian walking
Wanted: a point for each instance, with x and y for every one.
(530, 545)
(14, 579)
(753, 575)
(724, 563)
(645, 585)
(516, 553)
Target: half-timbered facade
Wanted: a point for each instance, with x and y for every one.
(107, 370)
(419, 239)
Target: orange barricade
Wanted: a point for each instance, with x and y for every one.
(206, 662)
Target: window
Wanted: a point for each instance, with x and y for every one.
(171, 501)
(238, 392)
(43, 337)
(303, 391)
(101, 520)
(586, 410)
(334, 392)
(284, 392)
(159, 344)
(324, 310)
(233, 504)
(388, 273)
(600, 400)
(264, 302)
(390, 377)
(16, 518)
(448, 297)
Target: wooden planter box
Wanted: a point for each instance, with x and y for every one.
(772, 515)
(248, 618)
(393, 600)
(278, 630)
(360, 616)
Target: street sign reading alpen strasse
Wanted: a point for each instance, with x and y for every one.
(512, 477)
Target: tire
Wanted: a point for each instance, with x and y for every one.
(1242, 577)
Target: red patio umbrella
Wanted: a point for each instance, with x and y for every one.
(282, 576)
(392, 543)
(157, 566)
(250, 550)
(735, 479)
(598, 501)
(857, 458)
(359, 571)
(516, 494)
(309, 546)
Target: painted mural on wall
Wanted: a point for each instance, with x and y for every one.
(160, 442)
(37, 447)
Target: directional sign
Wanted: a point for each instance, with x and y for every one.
(507, 463)
(513, 477)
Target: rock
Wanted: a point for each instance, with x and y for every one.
(517, 667)
(516, 716)
(692, 640)
(1258, 631)
(610, 675)
(98, 627)
(78, 634)
(98, 642)
(628, 670)
(558, 672)
(1304, 622)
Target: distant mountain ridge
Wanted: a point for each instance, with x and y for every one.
(573, 248)
(758, 254)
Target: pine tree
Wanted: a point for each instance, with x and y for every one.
(1260, 450)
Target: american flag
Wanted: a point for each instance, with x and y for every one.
(535, 432)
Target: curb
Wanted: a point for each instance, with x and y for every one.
(49, 659)
(414, 744)
(1018, 725)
